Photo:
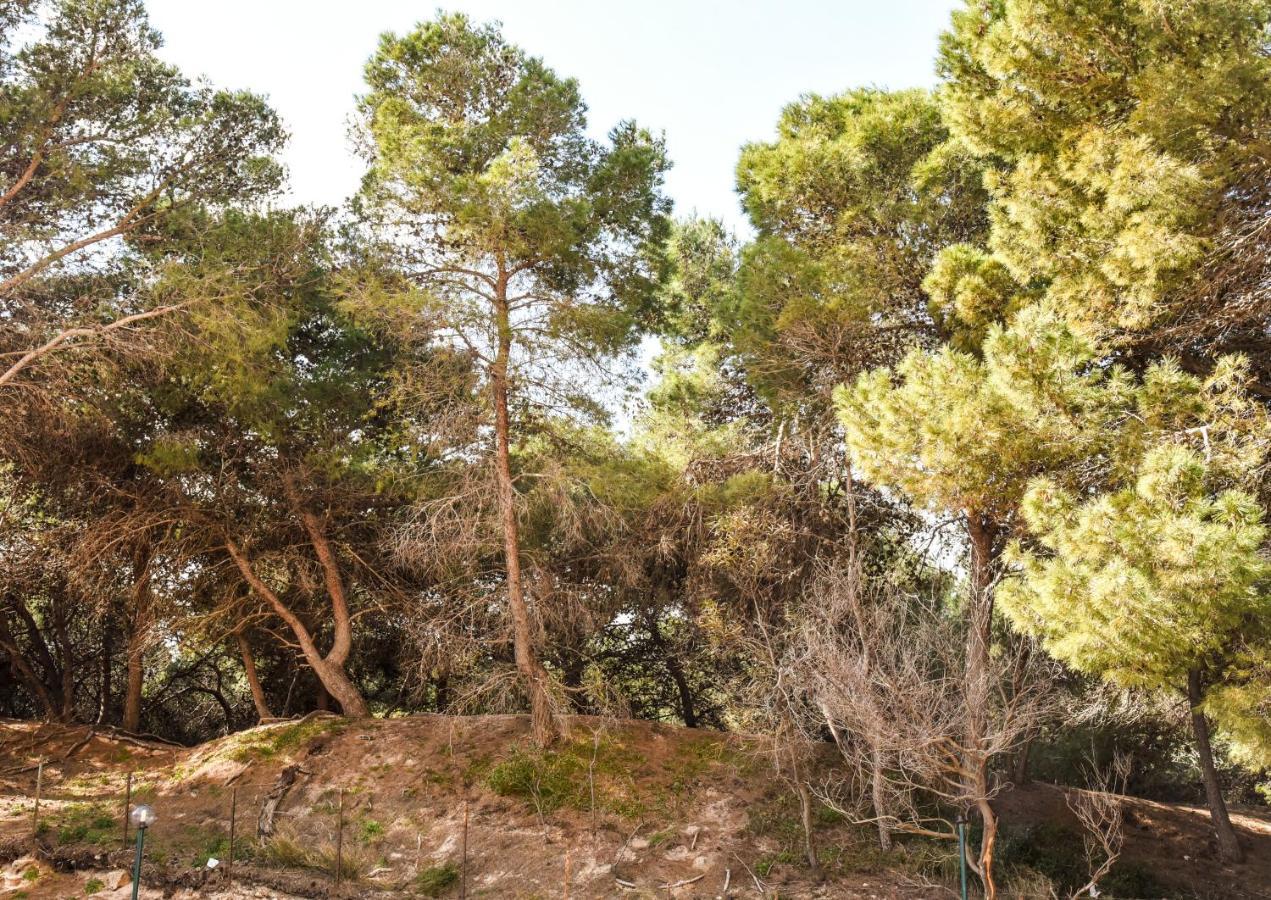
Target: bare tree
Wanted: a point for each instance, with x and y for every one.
(885, 670)
(1100, 811)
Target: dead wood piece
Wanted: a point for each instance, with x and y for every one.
(265, 822)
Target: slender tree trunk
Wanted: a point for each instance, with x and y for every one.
(105, 688)
(66, 666)
(135, 683)
(332, 676)
(544, 723)
(983, 535)
(1019, 768)
(674, 669)
(1228, 843)
(253, 680)
(140, 616)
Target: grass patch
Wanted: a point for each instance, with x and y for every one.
(437, 880)
(563, 777)
(94, 886)
(285, 852)
(87, 823)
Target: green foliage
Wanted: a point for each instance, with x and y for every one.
(547, 780)
(1148, 582)
(1118, 128)
(488, 145)
(94, 886)
(369, 830)
(851, 202)
(955, 432)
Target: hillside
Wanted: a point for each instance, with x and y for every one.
(632, 808)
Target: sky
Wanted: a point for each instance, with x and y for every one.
(711, 75)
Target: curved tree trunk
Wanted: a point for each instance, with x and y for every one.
(544, 723)
(330, 674)
(1228, 843)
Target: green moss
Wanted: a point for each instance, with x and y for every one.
(272, 742)
(94, 886)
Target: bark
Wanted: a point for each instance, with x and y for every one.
(545, 726)
(332, 676)
(253, 680)
(66, 666)
(1228, 843)
(342, 640)
(140, 612)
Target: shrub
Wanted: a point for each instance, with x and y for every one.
(436, 880)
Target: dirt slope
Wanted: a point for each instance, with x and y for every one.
(632, 809)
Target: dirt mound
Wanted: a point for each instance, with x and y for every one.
(619, 809)
(635, 808)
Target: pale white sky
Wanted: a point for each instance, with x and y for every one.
(711, 74)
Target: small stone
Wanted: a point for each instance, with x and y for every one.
(117, 879)
(639, 843)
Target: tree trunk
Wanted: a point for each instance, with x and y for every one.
(1228, 843)
(983, 536)
(674, 669)
(545, 726)
(105, 688)
(332, 676)
(253, 680)
(136, 681)
(1019, 773)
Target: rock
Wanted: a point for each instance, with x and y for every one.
(117, 879)
(638, 843)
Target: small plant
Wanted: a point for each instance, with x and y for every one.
(94, 886)
(436, 880)
(31, 874)
(370, 831)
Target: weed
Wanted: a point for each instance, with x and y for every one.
(94, 886)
